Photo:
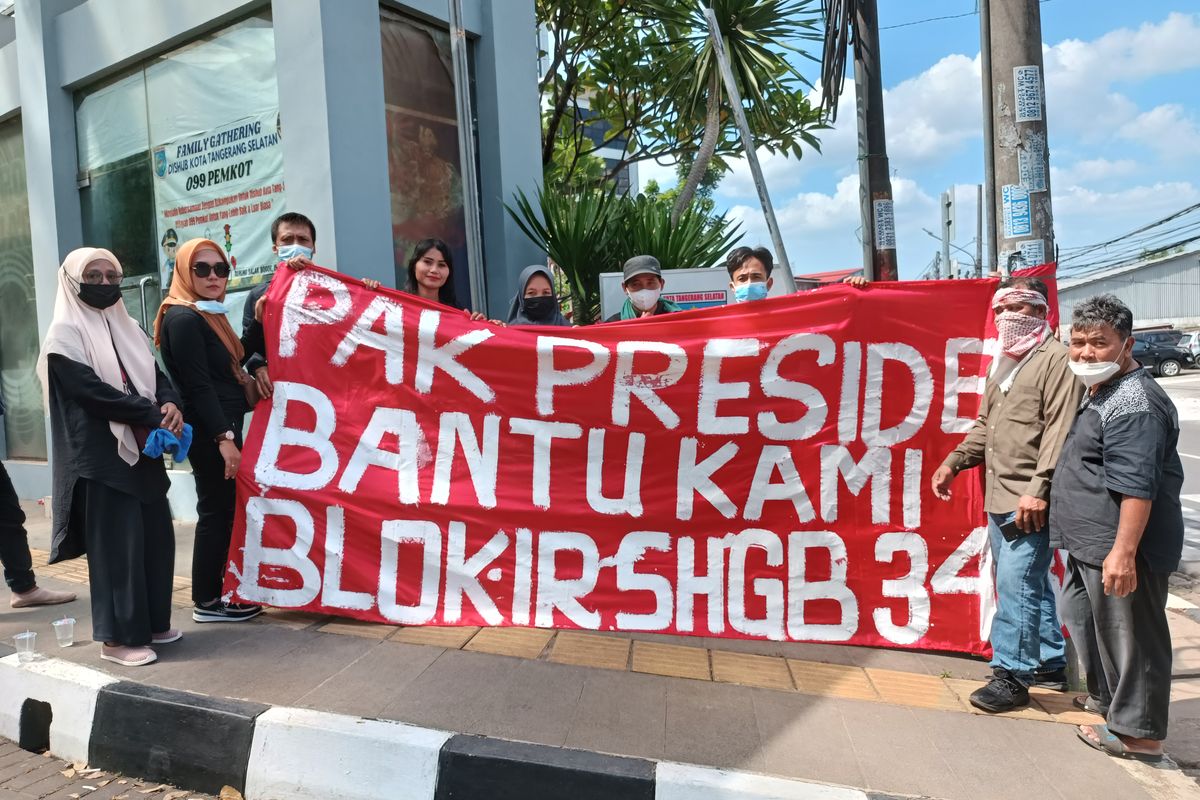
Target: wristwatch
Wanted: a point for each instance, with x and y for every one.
(227, 436)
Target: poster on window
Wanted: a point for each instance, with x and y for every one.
(224, 184)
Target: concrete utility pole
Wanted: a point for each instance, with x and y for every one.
(979, 230)
(875, 181)
(947, 229)
(1022, 230)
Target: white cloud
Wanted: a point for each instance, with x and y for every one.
(822, 231)
(931, 116)
(1166, 129)
(1080, 75)
(1091, 170)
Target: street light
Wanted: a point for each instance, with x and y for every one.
(969, 255)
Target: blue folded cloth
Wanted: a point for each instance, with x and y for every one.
(162, 441)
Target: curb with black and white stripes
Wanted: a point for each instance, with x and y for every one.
(203, 743)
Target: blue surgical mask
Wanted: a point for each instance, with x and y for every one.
(211, 307)
(750, 291)
(292, 250)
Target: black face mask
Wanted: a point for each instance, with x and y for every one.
(540, 307)
(100, 295)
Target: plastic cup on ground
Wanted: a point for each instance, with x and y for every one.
(64, 630)
(26, 644)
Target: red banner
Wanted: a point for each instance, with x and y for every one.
(756, 471)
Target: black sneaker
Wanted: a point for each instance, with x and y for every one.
(1053, 679)
(1003, 693)
(224, 612)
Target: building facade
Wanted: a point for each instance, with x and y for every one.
(1165, 291)
(135, 125)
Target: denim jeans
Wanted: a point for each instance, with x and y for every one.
(1026, 633)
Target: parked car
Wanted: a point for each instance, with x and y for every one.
(1165, 360)
(1169, 337)
(1191, 343)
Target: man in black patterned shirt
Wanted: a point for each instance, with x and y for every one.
(1115, 507)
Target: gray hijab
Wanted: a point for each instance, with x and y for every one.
(516, 313)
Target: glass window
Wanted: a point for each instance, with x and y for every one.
(187, 145)
(24, 421)
(422, 130)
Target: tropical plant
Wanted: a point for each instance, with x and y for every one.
(695, 239)
(595, 231)
(758, 35)
(643, 73)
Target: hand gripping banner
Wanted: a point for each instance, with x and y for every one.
(758, 471)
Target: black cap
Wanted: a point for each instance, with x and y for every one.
(641, 265)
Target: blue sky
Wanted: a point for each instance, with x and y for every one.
(1123, 111)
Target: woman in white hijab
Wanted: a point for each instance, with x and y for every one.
(105, 394)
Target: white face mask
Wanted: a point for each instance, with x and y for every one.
(1091, 373)
(645, 299)
(288, 251)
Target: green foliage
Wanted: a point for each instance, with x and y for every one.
(695, 240)
(596, 230)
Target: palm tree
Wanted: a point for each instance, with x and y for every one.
(758, 36)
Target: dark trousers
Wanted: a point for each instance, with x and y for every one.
(14, 543)
(131, 562)
(1125, 645)
(216, 498)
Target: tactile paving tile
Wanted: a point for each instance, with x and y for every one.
(766, 672)
(451, 638)
(832, 680)
(671, 660)
(1058, 705)
(910, 689)
(963, 689)
(590, 650)
(516, 642)
(367, 630)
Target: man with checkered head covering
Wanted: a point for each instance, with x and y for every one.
(1028, 405)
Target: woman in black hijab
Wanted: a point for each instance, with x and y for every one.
(535, 302)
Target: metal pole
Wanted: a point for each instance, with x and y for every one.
(875, 181)
(978, 230)
(989, 163)
(1020, 197)
(739, 116)
(466, 156)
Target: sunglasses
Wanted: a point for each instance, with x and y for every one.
(204, 268)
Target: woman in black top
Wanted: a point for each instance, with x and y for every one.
(430, 275)
(204, 357)
(105, 394)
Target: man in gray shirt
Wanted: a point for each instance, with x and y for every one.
(1115, 508)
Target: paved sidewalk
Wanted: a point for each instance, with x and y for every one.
(29, 776)
(884, 720)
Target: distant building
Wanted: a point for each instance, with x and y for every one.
(1161, 292)
(815, 279)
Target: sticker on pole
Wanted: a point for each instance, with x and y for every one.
(1033, 252)
(885, 225)
(1017, 218)
(1031, 162)
(1027, 91)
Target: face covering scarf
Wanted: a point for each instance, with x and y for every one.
(1019, 334)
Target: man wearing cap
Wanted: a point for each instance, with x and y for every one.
(643, 282)
(1028, 406)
